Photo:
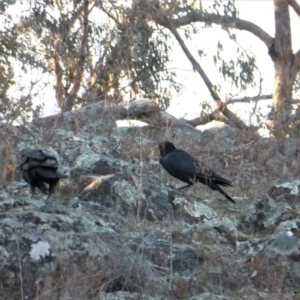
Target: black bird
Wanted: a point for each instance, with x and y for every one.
(187, 168)
(40, 167)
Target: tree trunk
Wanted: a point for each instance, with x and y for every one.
(166, 22)
(285, 70)
(70, 99)
(285, 75)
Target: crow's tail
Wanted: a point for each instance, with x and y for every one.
(217, 188)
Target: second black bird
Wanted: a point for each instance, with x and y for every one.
(188, 169)
(40, 167)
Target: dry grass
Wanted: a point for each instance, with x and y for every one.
(253, 166)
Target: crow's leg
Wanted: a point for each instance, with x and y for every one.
(51, 189)
(32, 190)
(184, 187)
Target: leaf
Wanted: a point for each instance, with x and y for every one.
(215, 59)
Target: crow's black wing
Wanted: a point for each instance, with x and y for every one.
(38, 158)
(32, 163)
(40, 154)
(182, 162)
(47, 173)
(180, 165)
(187, 168)
(22, 160)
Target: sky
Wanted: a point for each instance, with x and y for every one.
(259, 12)
(188, 102)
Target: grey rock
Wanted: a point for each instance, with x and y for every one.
(116, 229)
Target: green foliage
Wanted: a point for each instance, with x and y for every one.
(125, 52)
(140, 53)
(126, 55)
(240, 70)
(225, 7)
(14, 109)
(13, 49)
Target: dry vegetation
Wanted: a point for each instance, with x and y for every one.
(253, 163)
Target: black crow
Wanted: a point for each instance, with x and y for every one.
(40, 167)
(187, 168)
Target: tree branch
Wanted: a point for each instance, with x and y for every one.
(294, 5)
(249, 99)
(214, 116)
(105, 111)
(234, 120)
(193, 61)
(257, 98)
(160, 15)
(108, 112)
(200, 16)
(162, 118)
(81, 60)
(58, 87)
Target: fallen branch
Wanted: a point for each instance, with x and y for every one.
(144, 110)
(109, 111)
(214, 116)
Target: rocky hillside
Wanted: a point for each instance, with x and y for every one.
(117, 228)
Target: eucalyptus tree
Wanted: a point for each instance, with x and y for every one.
(99, 49)
(104, 49)
(279, 47)
(13, 50)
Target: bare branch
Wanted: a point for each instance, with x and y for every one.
(249, 99)
(76, 119)
(162, 118)
(59, 86)
(294, 5)
(76, 14)
(81, 60)
(144, 110)
(214, 116)
(234, 120)
(257, 98)
(110, 15)
(200, 16)
(221, 106)
(193, 61)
